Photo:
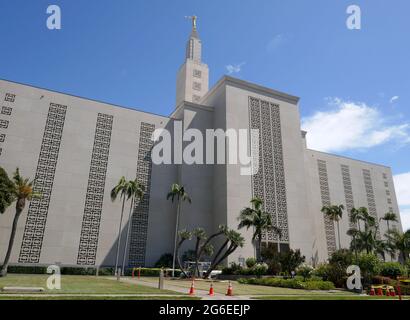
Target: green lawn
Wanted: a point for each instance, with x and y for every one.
(79, 285)
(328, 297)
(42, 297)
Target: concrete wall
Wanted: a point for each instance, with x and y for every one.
(66, 208)
(337, 194)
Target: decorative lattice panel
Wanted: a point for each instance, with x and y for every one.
(6, 111)
(4, 124)
(325, 195)
(371, 202)
(139, 221)
(268, 183)
(37, 213)
(90, 229)
(10, 97)
(347, 186)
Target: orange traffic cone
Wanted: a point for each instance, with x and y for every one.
(372, 292)
(230, 290)
(392, 292)
(211, 290)
(379, 292)
(192, 289)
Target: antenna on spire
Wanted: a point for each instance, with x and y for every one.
(194, 19)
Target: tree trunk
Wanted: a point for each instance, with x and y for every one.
(259, 248)
(197, 257)
(128, 234)
(175, 241)
(338, 234)
(119, 236)
(178, 260)
(19, 208)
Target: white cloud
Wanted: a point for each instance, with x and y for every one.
(275, 42)
(234, 68)
(395, 98)
(351, 125)
(402, 186)
(405, 218)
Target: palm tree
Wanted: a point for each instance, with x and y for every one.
(23, 192)
(258, 219)
(366, 240)
(355, 217)
(334, 213)
(233, 240)
(401, 242)
(120, 189)
(354, 233)
(389, 217)
(369, 221)
(135, 191)
(177, 192)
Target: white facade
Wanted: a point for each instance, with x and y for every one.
(77, 149)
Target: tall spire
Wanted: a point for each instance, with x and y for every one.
(193, 76)
(194, 45)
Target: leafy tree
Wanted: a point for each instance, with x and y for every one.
(369, 266)
(7, 194)
(260, 220)
(334, 213)
(291, 260)
(342, 257)
(22, 192)
(121, 189)
(179, 194)
(135, 191)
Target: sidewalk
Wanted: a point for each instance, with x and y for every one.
(198, 293)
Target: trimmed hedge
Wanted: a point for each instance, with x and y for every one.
(290, 283)
(91, 271)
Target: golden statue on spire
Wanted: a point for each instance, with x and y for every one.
(193, 18)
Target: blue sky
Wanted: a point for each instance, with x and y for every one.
(127, 52)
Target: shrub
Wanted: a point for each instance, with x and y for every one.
(78, 271)
(165, 261)
(369, 266)
(382, 280)
(289, 283)
(321, 271)
(259, 269)
(304, 271)
(392, 269)
(234, 268)
(291, 260)
(250, 262)
(332, 272)
(27, 269)
(342, 258)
